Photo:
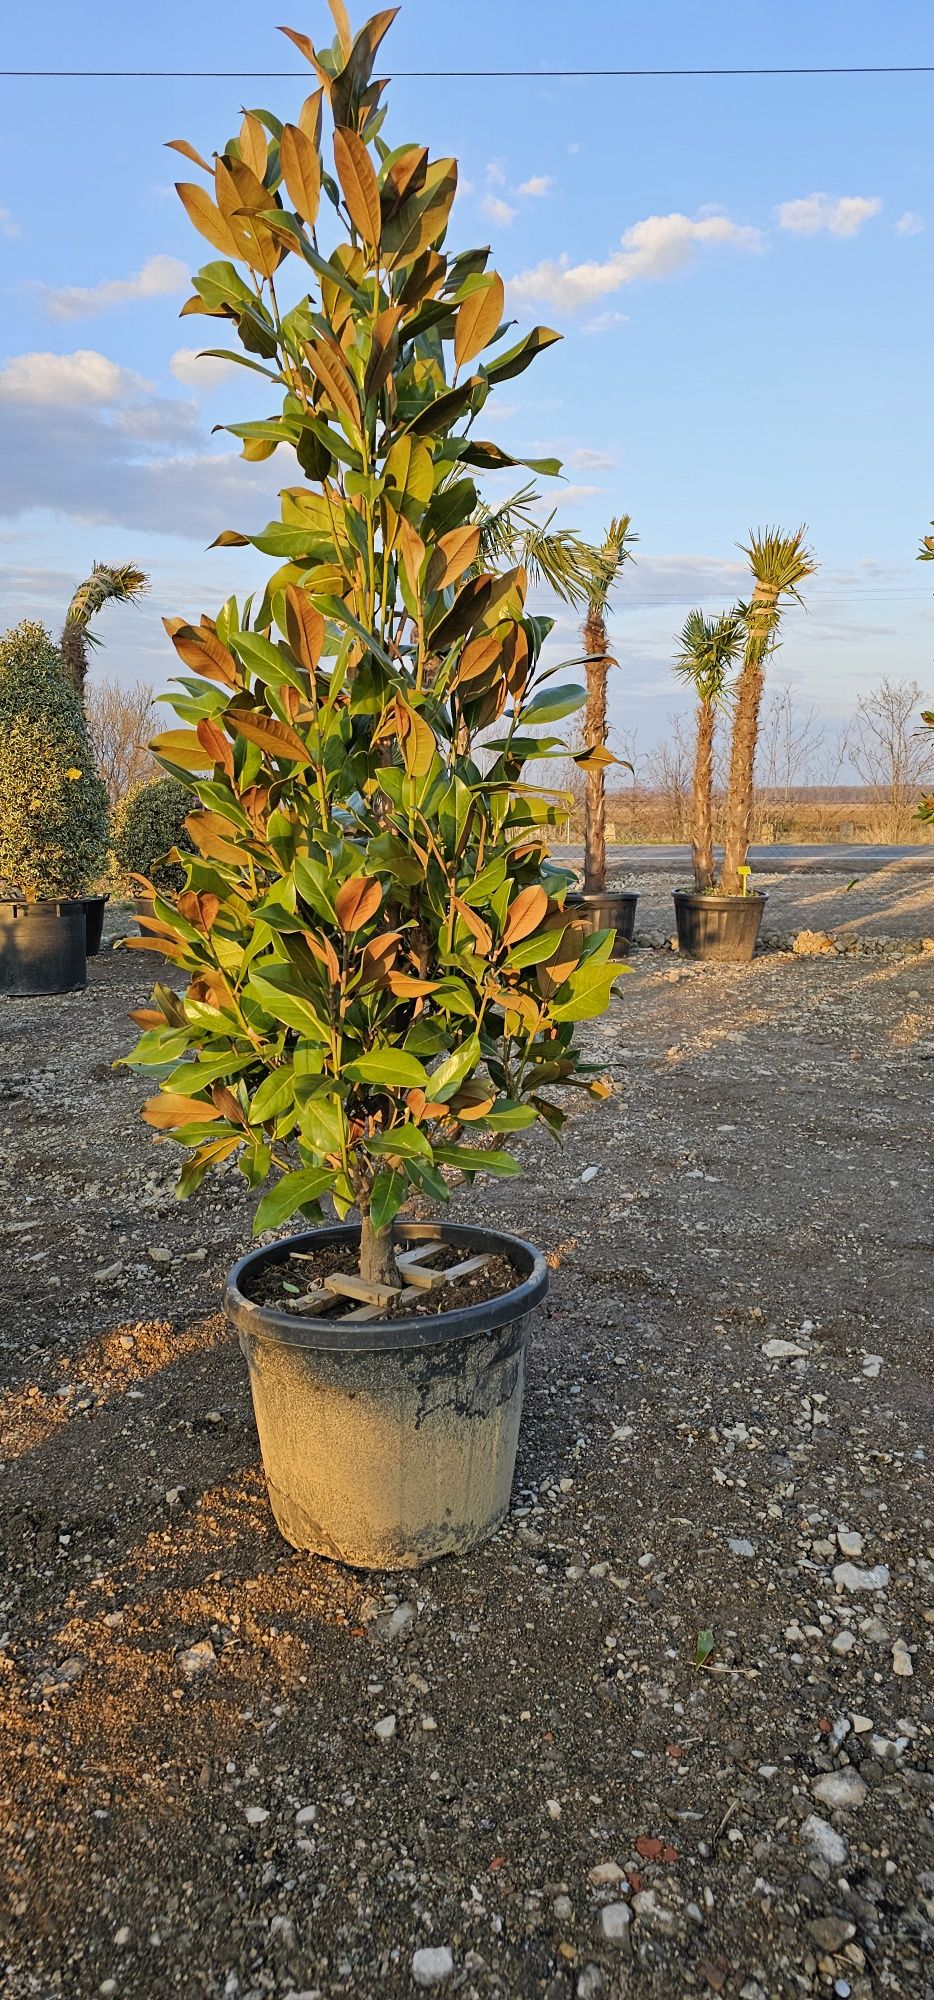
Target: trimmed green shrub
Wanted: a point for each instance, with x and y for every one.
(53, 803)
(147, 824)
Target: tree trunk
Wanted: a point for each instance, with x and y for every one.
(377, 1263)
(595, 732)
(74, 657)
(739, 797)
(702, 838)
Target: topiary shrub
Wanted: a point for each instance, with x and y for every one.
(147, 824)
(53, 803)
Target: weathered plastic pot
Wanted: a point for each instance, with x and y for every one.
(94, 907)
(719, 927)
(43, 947)
(145, 906)
(606, 911)
(388, 1443)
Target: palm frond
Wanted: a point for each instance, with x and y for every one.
(926, 551)
(116, 583)
(512, 533)
(779, 562)
(708, 648)
(609, 560)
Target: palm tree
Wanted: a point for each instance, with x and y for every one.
(511, 533)
(607, 564)
(108, 583)
(779, 563)
(708, 649)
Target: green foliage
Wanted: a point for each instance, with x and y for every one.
(378, 957)
(707, 649)
(148, 823)
(53, 804)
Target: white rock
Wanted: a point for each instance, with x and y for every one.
(738, 1546)
(650, 1911)
(615, 1920)
(122, 1936)
(196, 1658)
(590, 1173)
(553, 1808)
(843, 1643)
(563, 1908)
(861, 1724)
(256, 1815)
(840, 1789)
(822, 1840)
(591, 1984)
(385, 1728)
(784, 1350)
(306, 1815)
(159, 1253)
(429, 1723)
(606, 1872)
(849, 1542)
(846, 1576)
(901, 1661)
(871, 1366)
(106, 1276)
(432, 1965)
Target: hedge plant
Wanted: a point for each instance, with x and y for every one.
(149, 825)
(53, 803)
(380, 966)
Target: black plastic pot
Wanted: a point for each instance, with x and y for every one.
(387, 1443)
(606, 911)
(43, 947)
(94, 907)
(720, 927)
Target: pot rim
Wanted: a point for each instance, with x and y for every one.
(601, 896)
(380, 1336)
(43, 905)
(718, 898)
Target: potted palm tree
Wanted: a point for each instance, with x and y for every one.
(593, 905)
(108, 583)
(53, 819)
(708, 650)
(720, 919)
(376, 963)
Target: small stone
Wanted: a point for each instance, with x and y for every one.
(107, 1987)
(849, 1542)
(784, 1350)
(875, 1632)
(605, 1873)
(590, 1174)
(173, 1495)
(432, 1965)
(159, 1253)
(591, 1983)
(256, 1815)
(840, 1789)
(831, 1933)
(871, 1366)
(822, 1840)
(901, 1661)
(563, 1909)
(306, 1815)
(846, 1576)
(861, 1724)
(615, 1919)
(553, 1808)
(122, 1936)
(738, 1546)
(843, 1643)
(195, 1659)
(650, 1911)
(107, 1275)
(385, 1728)
(429, 1723)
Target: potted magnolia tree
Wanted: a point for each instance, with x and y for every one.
(379, 970)
(594, 906)
(53, 820)
(721, 918)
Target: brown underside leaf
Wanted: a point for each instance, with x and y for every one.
(274, 737)
(301, 171)
(357, 900)
(190, 153)
(304, 627)
(170, 1108)
(254, 146)
(478, 317)
(328, 365)
(358, 181)
(525, 913)
(207, 218)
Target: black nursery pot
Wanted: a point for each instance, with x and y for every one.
(43, 947)
(725, 928)
(606, 911)
(94, 907)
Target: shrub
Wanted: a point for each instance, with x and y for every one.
(147, 824)
(53, 804)
(380, 962)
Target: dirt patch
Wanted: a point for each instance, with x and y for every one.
(229, 1772)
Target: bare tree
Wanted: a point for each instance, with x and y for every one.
(670, 773)
(121, 721)
(791, 741)
(893, 756)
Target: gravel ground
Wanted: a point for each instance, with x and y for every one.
(892, 903)
(229, 1770)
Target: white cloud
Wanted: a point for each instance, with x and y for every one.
(602, 322)
(539, 184)
(587, 460)
(69, 380)
(909, 224)
(842, 215)
(496, 173)
(656, 247)
(199, 371)
(159, 277)
(498, 210)
(8, 223)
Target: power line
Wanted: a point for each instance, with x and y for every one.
(482, 75)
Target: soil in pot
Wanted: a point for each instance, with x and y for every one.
(94, 908)
(389, 1441)
(43, 948)
(284, 1285)
(607, 911)
(718, 927)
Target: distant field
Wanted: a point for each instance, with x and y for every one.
(847, 814)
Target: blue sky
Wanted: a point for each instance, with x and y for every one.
(742, 271)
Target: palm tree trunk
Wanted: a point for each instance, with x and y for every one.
(703, 798)
(74, 657)
(739, 796)
(595, 729)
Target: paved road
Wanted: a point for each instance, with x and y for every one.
(777, 859)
